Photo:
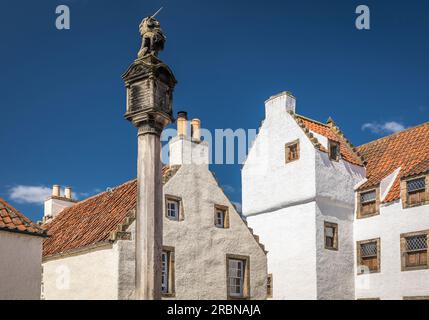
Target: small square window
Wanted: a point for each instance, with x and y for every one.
(292, 151)
(368, 205)
(414, 249)
(331, 236)
(173, 208)
(221, 217)
(334, 150)
(416, 191)
(368, 256)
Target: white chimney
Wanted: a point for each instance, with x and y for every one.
(280, 103)
(186, 149)
(56, 203)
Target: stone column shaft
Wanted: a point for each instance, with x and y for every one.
(149, 218)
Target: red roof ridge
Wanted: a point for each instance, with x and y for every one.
(330, 131)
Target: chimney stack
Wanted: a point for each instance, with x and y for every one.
(276, 105)
(196, 129)
(56, 191)
(182, 118)
(56, 203)
(68, 193)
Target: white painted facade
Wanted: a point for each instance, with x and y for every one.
(287, 205)
(391, 283)
(200, 248)
(20, 266)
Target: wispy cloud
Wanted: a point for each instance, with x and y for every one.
(29, 194)
(227, 188)
(383, 128)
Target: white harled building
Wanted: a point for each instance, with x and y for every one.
(331, 215)
(208, 250)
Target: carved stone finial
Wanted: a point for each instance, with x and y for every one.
(153, 39)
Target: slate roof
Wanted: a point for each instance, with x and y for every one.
(14, 221)
(92, 221)
(408, 150)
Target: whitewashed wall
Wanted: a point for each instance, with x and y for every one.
(200, 250)
(287, 204)
(290, 238)
(279, 203)
(20, 266)
(200, 247)
(391, 282)
(335, 183)
(88, 275)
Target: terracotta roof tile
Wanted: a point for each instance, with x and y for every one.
(12, 220)
(92, 221)
(408, 150)
(332, 132)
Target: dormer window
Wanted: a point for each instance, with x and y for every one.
(367, 203)
(292, 151)
(416, 191)
(334, 150)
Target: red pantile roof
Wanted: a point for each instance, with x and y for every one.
(408, 150)
(93, 220)
(12, 220)
(332, 132)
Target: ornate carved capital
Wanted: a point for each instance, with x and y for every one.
(150, 127)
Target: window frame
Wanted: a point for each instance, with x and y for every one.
(359, 263)
(171, 281)
(404, 251)
(405, 196)
(246, 277)
(338, 145)
(335, 245)
(359, 211)
(180, 211)
(270, 286)
(225, 210)
(287, 151)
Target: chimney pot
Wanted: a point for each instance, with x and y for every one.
(56, 192)
(196, 129)
(68, 193)
(182, 118)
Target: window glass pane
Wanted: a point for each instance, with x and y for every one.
(236, 277)
(164, 274)
(416, 185)
(368, 196)
(329, 232)
(368, 249)
(416, 243)
(172, 209)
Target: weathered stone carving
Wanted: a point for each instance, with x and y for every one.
(153, 38)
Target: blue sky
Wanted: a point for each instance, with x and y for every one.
(62, 99)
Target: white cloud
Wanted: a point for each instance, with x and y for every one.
(383, 128)
(30, 194)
